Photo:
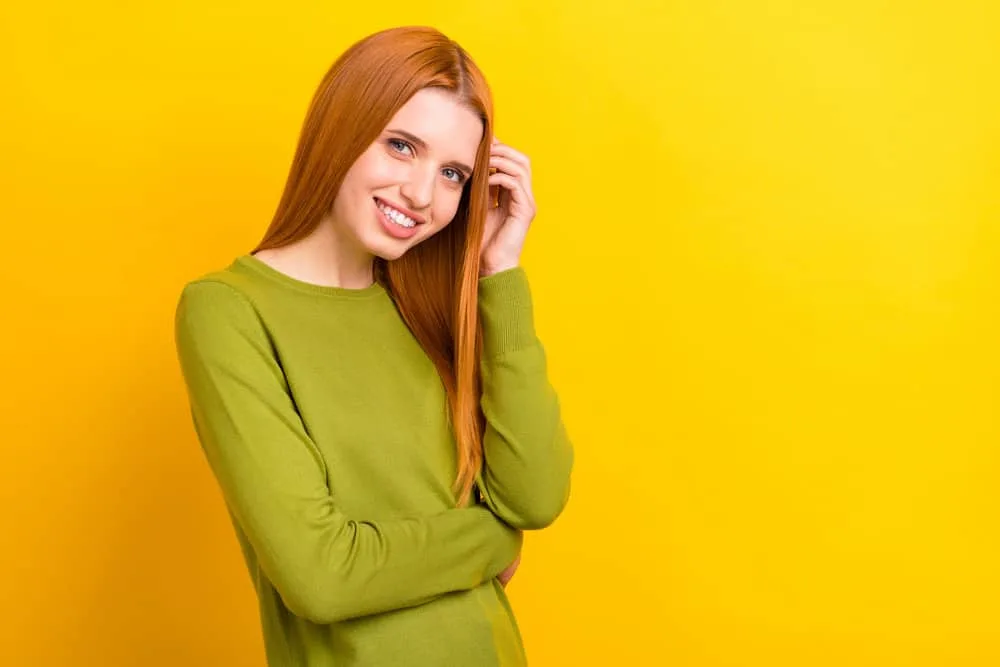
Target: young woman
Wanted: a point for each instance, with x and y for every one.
(367, 384)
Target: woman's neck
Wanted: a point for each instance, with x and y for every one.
(322, 258)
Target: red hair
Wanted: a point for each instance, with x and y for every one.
(434, 284)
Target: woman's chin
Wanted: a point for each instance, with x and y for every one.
(390, 251)
(389, 248)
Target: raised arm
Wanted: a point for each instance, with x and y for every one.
(326, 567)
(525, 477)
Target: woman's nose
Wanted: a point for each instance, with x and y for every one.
(418, 190)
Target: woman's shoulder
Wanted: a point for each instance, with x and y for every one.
(221, 294)
(227, 283)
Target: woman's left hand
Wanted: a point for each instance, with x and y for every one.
(507, 224)
(508, 573)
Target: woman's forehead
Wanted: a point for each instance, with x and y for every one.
(449, 129)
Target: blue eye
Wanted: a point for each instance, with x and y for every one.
(396, 143)
(458, 176)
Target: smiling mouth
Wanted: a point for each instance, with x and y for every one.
(396, 216)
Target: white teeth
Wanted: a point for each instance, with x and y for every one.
(396, 216)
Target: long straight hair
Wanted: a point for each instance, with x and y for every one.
(434, 285)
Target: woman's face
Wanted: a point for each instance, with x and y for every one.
(407, 185)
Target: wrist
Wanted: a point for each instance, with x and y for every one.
(491, 268)
(505, 310)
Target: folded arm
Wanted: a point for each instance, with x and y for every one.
(326, 567)
(528, 457)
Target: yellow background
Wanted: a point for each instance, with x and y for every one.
(766, 271)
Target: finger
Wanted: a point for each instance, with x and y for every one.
(516, 190)
(511, 154)
(511, 184)
(513, 168)
(506, 151)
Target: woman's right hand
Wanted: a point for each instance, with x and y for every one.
(508, 573)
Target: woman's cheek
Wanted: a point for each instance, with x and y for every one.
(447, 211)
(391, 171)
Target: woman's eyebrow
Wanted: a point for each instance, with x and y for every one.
(423, 144)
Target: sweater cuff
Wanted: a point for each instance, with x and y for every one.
(506, 311)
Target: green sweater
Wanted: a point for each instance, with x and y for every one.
(326, 427)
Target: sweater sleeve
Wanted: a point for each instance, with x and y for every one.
(528, 457)
(326, 567)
